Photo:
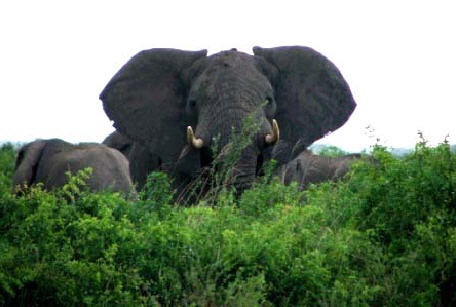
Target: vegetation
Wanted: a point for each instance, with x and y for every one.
(328, 150)
(385, 236)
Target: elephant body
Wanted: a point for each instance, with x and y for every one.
(46, 161)
(178, 107)
(308, 168)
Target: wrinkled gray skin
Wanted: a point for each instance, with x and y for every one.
(47, 161)
(308, 168)
(159, 92)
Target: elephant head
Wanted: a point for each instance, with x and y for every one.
(46, 161)
(175, 103)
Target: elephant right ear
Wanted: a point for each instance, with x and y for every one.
(26, 164)
(145, 99)
(312, 96)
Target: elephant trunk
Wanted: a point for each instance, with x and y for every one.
(243, 172)
(237, 148)
(238, 153)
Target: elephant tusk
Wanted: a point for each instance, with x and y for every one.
(274, 137)
(192, 141)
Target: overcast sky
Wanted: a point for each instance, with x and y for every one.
(399, 58)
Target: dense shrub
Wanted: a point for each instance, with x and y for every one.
(385, 236)
(331, 151)
(7, 155)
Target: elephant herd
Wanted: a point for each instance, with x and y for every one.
(179, 111)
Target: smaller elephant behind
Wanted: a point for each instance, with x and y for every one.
(142, 162)
(47, 161)
(308, 168)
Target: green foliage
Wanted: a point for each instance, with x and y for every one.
(386, 236)
(330, 150)
(407, 208)
(7, 153)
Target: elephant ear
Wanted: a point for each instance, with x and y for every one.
(26, 164)
(312, 97)
(145, 99)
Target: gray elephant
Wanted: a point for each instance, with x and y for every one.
(175, 103)
(142, 162)
(308, 168)
(46, 161)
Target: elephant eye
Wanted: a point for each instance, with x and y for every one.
(268, 101)
(192, 103)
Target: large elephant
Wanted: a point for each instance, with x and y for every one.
(175, 103)
(46, 161)
(308, 168)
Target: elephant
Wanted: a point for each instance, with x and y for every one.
(308, 168)
(46, 161)
(180, 105)
(120, 142)
(142, 162)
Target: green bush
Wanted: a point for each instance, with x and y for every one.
(7, 154)
(385, 236)
(331, 151)
(407, 208)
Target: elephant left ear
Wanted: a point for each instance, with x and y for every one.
(312, 97)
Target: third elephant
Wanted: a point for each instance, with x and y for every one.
(308, 168)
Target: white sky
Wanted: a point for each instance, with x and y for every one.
(399, 58)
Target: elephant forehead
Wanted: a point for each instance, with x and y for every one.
(230, 75)
(231, 67)
(231, 58)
